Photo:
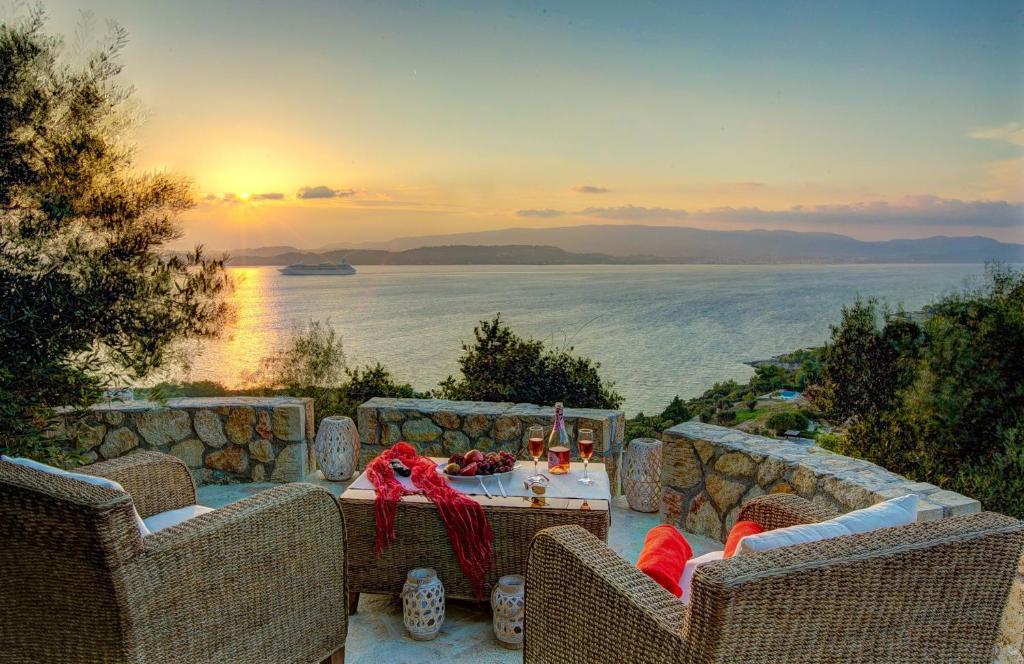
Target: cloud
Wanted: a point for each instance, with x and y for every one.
(633, 213)
(1011, 132)
(271, 196)
(539, 213)
(921, 210)
(322, 191)
(590, 189)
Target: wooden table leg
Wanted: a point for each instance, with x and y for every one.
(353, 603)
(337, 657)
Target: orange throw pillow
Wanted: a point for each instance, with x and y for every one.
(664, 556)
(740, 530)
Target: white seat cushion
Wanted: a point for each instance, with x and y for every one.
(691, 566)
(895, 512)
(900, 511)
(89, 479)
(174, 517)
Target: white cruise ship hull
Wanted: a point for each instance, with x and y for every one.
(309, 270)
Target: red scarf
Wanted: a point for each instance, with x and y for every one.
(464, 518)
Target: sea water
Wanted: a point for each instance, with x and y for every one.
(657, 331)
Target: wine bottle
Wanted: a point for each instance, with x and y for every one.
(558, 445)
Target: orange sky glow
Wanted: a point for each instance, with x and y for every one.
(352, 123)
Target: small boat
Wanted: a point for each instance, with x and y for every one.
(323, 268)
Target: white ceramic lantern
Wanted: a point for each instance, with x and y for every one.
(507, 605)
(641, 476)
(423, 604)
(337, 448)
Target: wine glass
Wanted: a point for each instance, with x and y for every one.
(585, 444)
(535, 446)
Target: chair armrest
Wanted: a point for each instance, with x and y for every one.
(156, 482)
(260, 580)
(781, 510)
(926, 592)
(586, 604)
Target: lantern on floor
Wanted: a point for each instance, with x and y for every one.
(508, 605)
(423, 604)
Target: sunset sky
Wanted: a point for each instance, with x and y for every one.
(316, 123)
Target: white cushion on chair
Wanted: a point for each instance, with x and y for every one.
(89, 479)
(174, 517)
(691, 566)
(900, 511)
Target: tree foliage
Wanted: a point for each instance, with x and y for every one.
(502, 366)
(943, 402)
(786, 420)
(312, 364)
(89, 297)
(651, 426)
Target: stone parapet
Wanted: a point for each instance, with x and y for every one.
(222, 439)
(438, 427)
(709, 471)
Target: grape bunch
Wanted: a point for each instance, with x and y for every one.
(475, 462)
(497, 462)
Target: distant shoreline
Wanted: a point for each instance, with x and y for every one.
(522, 255)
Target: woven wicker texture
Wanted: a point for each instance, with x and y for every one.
(925, 592)
(261, 580)
(156, 482)
(641, 474)
(423, 542)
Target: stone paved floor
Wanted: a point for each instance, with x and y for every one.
(376, 633)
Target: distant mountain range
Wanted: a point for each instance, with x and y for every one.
(695, 245)
(622, 244)
(445, 255)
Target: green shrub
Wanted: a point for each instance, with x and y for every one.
(943, 403)
(785, 420)
(502, 366)
(726, 417)
(646, 426)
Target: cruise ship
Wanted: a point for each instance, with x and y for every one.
(323, 268)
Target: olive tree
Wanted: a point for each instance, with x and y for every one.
(90, 296)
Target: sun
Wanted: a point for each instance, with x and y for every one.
(245, 196)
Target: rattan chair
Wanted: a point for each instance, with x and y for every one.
(261, 580)
(927, 592)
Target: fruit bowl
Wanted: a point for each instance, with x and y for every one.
(472, 479)
(476, 463)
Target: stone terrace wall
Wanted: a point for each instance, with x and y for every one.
(223, 439)
(439, 428)
(709, 471)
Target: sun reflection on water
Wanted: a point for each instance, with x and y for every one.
(253, 334)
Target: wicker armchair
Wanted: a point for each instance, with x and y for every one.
(261, 580)
(919, 593)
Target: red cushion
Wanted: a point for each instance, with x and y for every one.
(664, 556)
(740, 530)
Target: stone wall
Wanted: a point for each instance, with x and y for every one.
(709, 471)
(223, 439)
(439, 428)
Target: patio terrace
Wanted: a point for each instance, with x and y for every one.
(376, 633)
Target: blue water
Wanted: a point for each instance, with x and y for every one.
(658, 331)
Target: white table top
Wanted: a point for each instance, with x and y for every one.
(561, 486)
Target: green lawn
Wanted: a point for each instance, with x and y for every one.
(744, 415)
